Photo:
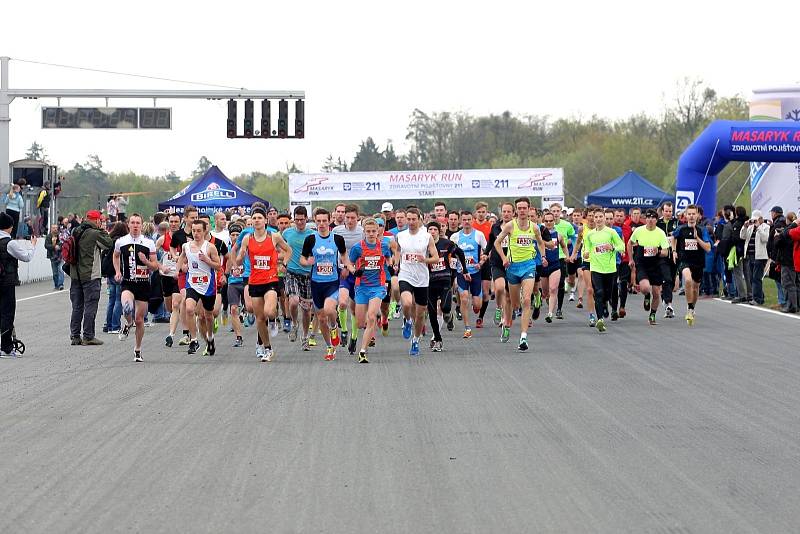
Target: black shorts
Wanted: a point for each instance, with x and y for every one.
(544, 272)
(586, 266)
(208, 301)
(259, 290)
(653, 274)
(498, 271)
(141, 290)
(169, 286)
(486, 271)
(572, 267)
(696, 271)
(388, 298)
(420, 293)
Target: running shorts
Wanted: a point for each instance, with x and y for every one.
(259, 290)
(517, 272)
(141, 290)
(420, 293)
(298, 285)
(366, 293)
(320, 291)
(474, 286)
(486, 271)
(388, 297)
(208, 301)
(349, 283)
(696, 271)
(655, 274)
(498, 271)
(235, 294)
(169, 286)
(586, 266)
(543, 272)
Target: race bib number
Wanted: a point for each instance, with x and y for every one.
(690, 244)
(372, 263)
(439, 265)
(524, 240)
(602, 248)
(411, 258)
(236, 271)
(141, 272)
(453, 263)
(198, 280)
(261, 263)
(649, 252)
(325, 268)
(471, 262)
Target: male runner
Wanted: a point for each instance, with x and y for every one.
(602, 246)
(441, 282)
(691, 243)
(520, 263)
(369, 257)
(473, 244)
(453, 223)
(199, 259)
(417, 251)
(222, 252)
(503, 313)
(235, 287)
(263, 248)
(550, 276)
(323, 251)
(482, 224)
(169, 275)
(669, 224)
(440, 212)
(284, 221)
(586, 271)
(298, 277)
(177, 240)
(353, 233)
(626, 279)
(566, 231)
(647, 252)
(134, 258)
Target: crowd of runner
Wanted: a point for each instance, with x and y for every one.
(340, 276)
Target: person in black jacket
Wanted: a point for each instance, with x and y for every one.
(52, 244)
(12, 251)
(741, 271)
(783, 249)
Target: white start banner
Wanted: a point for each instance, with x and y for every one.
(474, 183)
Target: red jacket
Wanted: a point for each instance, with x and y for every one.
(794, 233)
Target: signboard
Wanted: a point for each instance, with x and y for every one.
(549, 201)
(307, 204)
(107, 118)
(474, 183)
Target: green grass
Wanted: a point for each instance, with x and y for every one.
(770, 293)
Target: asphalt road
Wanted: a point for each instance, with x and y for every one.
(641, 429)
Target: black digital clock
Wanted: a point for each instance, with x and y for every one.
(107, 118)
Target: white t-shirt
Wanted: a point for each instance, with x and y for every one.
(413, 251)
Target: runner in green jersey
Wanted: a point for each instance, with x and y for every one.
(602, 245)
(647, 251)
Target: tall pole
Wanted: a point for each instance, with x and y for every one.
(5, 123)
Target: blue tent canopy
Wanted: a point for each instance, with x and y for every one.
(628, 191)
(209, 193)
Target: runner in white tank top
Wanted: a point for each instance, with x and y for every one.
(416, 251)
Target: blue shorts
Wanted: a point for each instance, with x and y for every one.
(366, 293)
(349, 283)
(320, 291)
(474, 286)
(517, 272)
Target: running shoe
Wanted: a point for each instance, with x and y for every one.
(8, 355)
(458, 314)
(193, 346)
(274, 328)
(467, 333)
(330, 354)
(304, 344)
(647, 302)
(414, 350)
(351, 347)
(669, 312)
(592, 320)
(343, 335)
(260, 351)
(287, 325)
(614, 315)
(137, 356)
(216, 324)
(433, 342)
(312, 340)
(396, 314)
(385, 327)
(437, 346)
(652, 318)
(371, 342)
(251, 319)
(168, 341)
(293, 333)
(123, 334)
(184, 340)
(537, 299)
(537, 311)
(406, 329)
(448, 320)
(113, 331)
(479, 323)
(211, 347)
(505, 334)
(572, 296)
(523, 343)
(601, 325)
(559, 314)
(681, 291)
(362, 357)
(690, 317)
(239, 342)
(498, 316)
(335, 340)
(548, 318)
(580, 303)
(269, 355)
(622, 313)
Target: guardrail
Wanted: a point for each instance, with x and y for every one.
(38, 268)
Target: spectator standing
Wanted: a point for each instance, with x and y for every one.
(111, 208)
(741, 269)
(14, 206)
(122, 208)
(755, 234)
(784, 252)
(793, 231)
(43, 204)
(52, 245)
(11, 253)
(84, 292)
(777, 224)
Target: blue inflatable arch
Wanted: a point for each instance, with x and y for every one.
(726, 141)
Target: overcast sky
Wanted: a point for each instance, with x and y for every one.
(366, 65)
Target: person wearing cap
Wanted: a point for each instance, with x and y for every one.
(777, 224)
(388, 215)
(84, 292)
(11, 253)
(755, 234)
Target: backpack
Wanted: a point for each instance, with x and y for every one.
(69, 249)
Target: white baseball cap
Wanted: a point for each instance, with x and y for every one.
(387, 206)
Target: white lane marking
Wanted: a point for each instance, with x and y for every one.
(43, 295)
(765, 310)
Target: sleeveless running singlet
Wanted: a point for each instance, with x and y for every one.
(200, 276)
(263, 260)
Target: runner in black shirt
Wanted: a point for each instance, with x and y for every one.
(691, 247)
(668, 224)
(177, 240)
(441, 282)
(499, 272)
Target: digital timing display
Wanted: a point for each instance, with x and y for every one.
(107, 118)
